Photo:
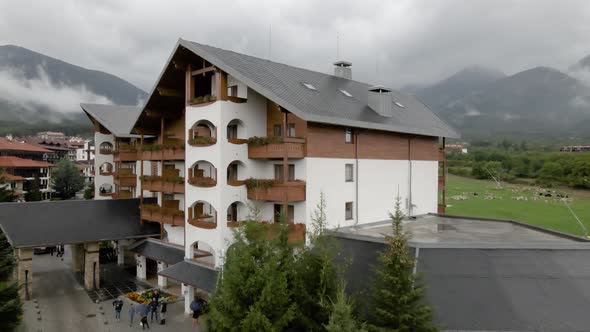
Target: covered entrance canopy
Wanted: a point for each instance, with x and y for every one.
(81, 223)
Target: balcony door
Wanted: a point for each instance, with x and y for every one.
(278, 209)
(278, 168)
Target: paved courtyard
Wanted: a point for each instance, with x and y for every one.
(63, 305)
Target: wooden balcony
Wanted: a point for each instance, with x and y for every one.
(290, 191)
(163, 184)
(202, 221)
(105, 150)
(293, 148)
(236, 183)
(106, 173)
(163, 215)
(122, 194)
(124, 177)
(237, 140)
(162, 152)
(108, 193)
(125, 155)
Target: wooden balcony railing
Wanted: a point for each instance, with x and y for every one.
(105, 150)
(237, 140)
(276, 147)
(200, 140)
(125, 154)
(169, 216)
(106, 172)
(276, 190)
(205, 221)
(164, 184)
(236, 183)
(201, 181)
(106, 193)
(125, 177)
(163, 152)
(121, 194)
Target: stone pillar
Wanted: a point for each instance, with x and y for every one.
(162, 281)
(91, 266)
(189, 295)
(121, 253)
(141, 267)
(24, 272)
(77, 257)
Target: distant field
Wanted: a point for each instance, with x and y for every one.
(532, 208)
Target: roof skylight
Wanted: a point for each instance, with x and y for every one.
(346, 93)
(399, 104)
(309, 86)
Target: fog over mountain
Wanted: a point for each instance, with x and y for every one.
(541, 102)
(37, 90)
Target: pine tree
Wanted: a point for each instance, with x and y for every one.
(316, 280)
(398, 298)
(254, 292)
(67, 179)
(34, 193)
(10, 304)
(342, 318)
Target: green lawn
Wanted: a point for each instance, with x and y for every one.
(543, 211)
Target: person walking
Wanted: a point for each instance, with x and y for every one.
(131, 313)
(154, 309)
(163, 309)
(144, 322)
(118, 304)
(196, 306)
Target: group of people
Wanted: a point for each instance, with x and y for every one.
(59, 251)
(155, 309)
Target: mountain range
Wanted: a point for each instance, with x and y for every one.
(38, 92)
(541, 102)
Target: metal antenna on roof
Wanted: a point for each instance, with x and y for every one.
(269, 40)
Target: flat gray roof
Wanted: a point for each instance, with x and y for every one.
(37, 224)
(159, 251)
(450, 231)
(192, 273)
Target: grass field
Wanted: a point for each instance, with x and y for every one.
(481, 198)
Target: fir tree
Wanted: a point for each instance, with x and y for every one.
(254, 292)
(10, 304)
(89, 191)
(398, 299)
(342, 318)
(67, 179)
(34, 193)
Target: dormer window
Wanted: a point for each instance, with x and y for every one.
(309, 86)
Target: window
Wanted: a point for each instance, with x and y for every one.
(349, 172)
(278, 212)
(348, 211)
(291, 130)
(278, 168)
(346, 93)
(309, 86)
(232, 91)
(232, 131)
(348, 135)
(278, 130)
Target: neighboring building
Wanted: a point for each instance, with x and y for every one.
(51, 135)
(456, 147)
(575, 148)
(29, 170)
(15, 183)
(222, 131)
(85, 152)
(86, 168)
(23, 150)
(60, 147)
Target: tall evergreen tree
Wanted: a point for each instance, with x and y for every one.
(254, 292)
(67, 179)
(342, 318)
(398, 298)
(34, 193)
(10, 304)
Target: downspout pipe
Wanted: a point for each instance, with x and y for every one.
(410, 204)
(356, 182)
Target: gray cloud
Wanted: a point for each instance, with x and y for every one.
(389, 42)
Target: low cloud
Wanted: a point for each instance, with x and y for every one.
(41, 92)
(472, 111)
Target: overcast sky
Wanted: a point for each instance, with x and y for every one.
(389, 42)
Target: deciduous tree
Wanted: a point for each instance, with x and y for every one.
(67, 179)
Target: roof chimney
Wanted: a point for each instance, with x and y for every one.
(380, 100)
(343, 69)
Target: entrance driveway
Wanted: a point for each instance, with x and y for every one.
(63, 304)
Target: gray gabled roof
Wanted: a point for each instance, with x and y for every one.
(117, 119)
(37, 224)
(283, 84)
(159, 251)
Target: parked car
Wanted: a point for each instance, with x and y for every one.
(43, 250)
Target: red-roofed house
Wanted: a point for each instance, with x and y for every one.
(16, 168)
(23, 150)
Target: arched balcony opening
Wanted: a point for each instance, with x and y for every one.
(236, 172)
(236, 132)
(202, 133)
(106, 169)
(202, 252)
(202, 215)
(105, 148)
(202, 174)
(236, 213)
(106, 189)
